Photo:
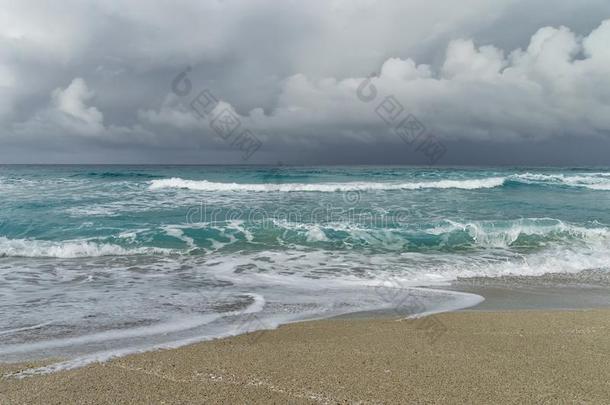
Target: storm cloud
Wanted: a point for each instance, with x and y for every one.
(502, 82)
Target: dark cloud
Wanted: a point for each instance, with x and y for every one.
(495, 82)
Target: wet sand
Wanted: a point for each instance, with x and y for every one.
(461, 357)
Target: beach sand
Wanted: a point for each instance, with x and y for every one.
(460, 357)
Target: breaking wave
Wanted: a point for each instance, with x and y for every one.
(592, 181)
(68, 249)
(204, 185)
(203, 238)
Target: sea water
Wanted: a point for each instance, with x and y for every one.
(101, 261)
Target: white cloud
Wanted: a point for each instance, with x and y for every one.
(596, 44)
(69, 115)
(465, 61)
(478, 93)
(71, 101)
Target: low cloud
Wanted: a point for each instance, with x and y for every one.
(70, 102)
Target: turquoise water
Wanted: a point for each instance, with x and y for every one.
(97, 261)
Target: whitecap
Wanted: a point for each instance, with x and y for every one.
(204, 185)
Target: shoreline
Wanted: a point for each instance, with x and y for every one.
(480, 356)
(498, 294)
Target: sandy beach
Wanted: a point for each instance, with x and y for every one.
(461, 357)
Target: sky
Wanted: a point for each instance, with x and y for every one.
(475, 82)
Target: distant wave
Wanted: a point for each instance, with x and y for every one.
(592, 181)
(204, 185)
(119, 175)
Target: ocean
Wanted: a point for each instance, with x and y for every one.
(102, 261)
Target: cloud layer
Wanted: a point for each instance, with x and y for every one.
(92, 83)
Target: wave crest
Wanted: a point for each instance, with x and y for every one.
(205, 185)
(525, 231)
(67, 249)
(593, 181)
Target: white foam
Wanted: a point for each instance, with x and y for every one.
(143, 331)
(163, 328)
(68, 249)
(500, 234)
(186, 323)
(284, 275)
(453, 301)
(11, 331)
(315, 234)
(593, 181)
(204, 185)
(238, 225)
(177, 232)
(461, 300)
(504, 233)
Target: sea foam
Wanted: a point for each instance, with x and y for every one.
(204, 185)
(593, 181)
(69, 249)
